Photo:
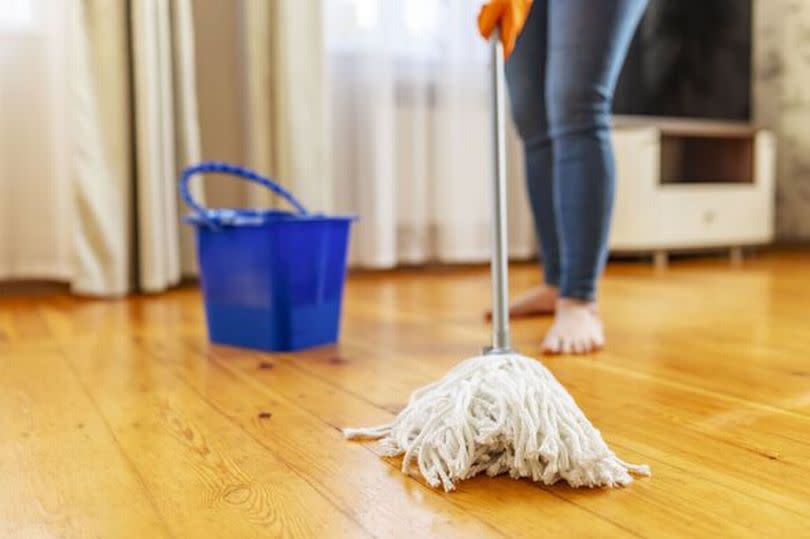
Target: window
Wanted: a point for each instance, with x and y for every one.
(16, 15)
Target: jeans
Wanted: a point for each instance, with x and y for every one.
(561, 76)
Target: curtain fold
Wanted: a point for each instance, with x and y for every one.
(102, 168)
(136, 125)
(166, 130)
(285, 98)
(410, 127)
(130, 236)
(188, 126)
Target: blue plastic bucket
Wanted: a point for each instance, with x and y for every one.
(271, 279)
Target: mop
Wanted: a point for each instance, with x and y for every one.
(499, 412)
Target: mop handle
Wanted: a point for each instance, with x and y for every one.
(500, 285)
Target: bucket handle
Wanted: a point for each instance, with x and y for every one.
(233, 170)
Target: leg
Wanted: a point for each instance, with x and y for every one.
(526, 79)
(587, 43)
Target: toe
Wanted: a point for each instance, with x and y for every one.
(551, 344)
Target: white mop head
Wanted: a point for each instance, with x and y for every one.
(500, 413)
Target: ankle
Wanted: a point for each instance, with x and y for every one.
(574, 303)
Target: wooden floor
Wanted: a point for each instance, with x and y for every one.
(117, 419)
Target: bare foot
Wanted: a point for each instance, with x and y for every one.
(539, 300)
(577, 329)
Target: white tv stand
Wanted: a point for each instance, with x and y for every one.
(684, 185)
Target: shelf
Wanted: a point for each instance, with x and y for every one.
(698, 159)
(691, 184)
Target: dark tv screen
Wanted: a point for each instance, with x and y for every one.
(689, 58)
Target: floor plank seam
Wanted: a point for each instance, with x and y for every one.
(172, 370)
(699, 478)
(593, 513)
(123, 454)
(701, 391)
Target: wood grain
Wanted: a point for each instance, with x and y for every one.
(119, 419)
(63, 474)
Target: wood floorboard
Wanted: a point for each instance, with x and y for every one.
(56, 455)
(119, 419)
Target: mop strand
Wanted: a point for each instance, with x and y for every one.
(499, 414)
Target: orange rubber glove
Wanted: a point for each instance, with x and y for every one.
(509, 15)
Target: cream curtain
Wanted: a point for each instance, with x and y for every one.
(135, 125)
(285, 98)
(261, 85)
(107, 115)
(410, 126)
(167, 135)
(360, 106)
(35, 214)
(101, 170)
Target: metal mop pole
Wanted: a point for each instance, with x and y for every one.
(500, 285)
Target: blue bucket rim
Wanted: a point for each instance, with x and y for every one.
(231, 217)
